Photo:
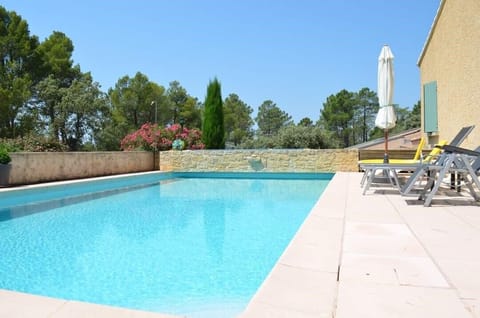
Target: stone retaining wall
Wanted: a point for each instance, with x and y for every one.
(268, 160)
(35, 167)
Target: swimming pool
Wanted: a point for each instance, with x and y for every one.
(192, 244)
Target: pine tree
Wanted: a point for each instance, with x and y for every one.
(213, 131)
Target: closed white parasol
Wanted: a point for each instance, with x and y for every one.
(386, 117)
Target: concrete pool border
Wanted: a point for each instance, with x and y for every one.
(303, 283)
(378, 255)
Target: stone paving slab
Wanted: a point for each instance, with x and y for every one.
(448, 232)
(356, 299)
(21, 305)
(294, 289)
(396, 271)
(13, 304)
(75, 309)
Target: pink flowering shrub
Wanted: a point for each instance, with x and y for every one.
(149, 136)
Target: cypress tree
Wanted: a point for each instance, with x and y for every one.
(213, 131)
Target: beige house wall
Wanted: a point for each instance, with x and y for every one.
(35, 167)
(268, 160)
(451, 57)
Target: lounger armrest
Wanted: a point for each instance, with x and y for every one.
(454, 149)
(392, 165)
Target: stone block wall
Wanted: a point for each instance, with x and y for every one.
(35, 167)
(267, 160)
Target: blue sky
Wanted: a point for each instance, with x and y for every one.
(293, 52)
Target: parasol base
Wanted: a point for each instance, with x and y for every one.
(385, 158)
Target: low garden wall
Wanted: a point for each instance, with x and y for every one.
(35, 167)
(268, 160)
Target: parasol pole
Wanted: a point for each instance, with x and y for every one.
(385, 137)
(385, 155)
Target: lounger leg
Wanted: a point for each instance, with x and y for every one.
(474, 178)
(469, 184)
(370, 177)
(472, 173)
(407, 187)
(447, 164)
(364, 177)
(395, 179)
(429, 185)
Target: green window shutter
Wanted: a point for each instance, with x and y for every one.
(430, 107)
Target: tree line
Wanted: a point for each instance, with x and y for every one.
(45, 96)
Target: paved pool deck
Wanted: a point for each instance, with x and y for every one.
(377, 255)
(373, 255)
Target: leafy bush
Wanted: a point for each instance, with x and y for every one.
(304, 137)
(293, 137)
(150, 137)
(32, 143)
(4, 156)
(261, 142)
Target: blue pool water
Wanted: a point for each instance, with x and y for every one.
(199, 247)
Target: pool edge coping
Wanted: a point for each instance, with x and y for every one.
(309, 266)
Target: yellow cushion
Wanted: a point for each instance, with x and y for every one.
(435, 151)
(418, 153)
(432, 155)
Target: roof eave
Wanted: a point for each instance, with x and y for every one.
(430, 33)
